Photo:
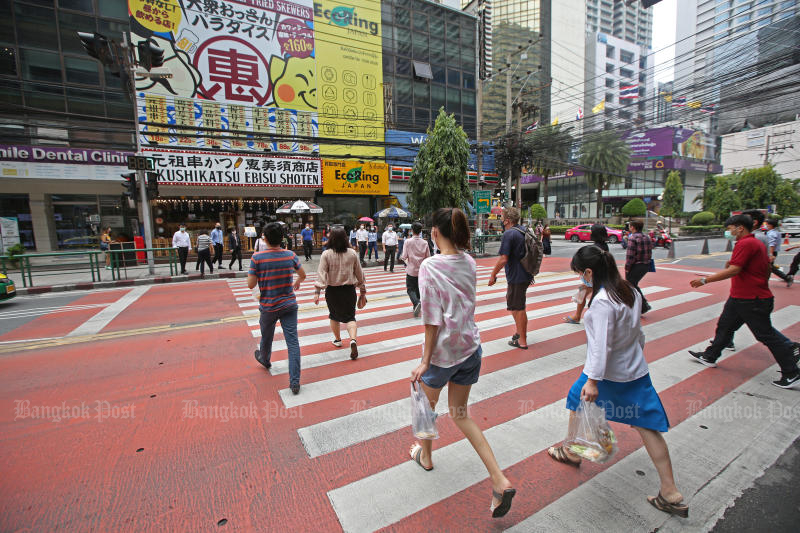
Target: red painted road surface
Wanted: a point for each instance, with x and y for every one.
(181, 430)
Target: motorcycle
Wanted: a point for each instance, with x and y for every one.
(661, 238)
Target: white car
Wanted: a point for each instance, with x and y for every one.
(790, 226)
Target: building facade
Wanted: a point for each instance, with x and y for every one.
(776, 145)
(629, 21)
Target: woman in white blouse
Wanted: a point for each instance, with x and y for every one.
(616, 375)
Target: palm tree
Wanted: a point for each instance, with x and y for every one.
(605, 157)
(546, 152)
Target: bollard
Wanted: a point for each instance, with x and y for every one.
(704, 251)
(671, 251)
(729, 246)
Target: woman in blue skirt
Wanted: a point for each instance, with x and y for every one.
(616, 374)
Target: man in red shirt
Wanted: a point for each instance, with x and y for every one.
(750, 303)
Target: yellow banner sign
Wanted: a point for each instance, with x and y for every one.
(353, 177)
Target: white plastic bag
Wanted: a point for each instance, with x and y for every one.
(423, 419)
(589, 434)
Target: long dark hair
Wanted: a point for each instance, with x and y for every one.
(599, 233)
(338, 240)
(452, 224)
(604, 274)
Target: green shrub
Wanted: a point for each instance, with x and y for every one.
(634, 208)
(712, 228)
(537, 212)
(704, 218)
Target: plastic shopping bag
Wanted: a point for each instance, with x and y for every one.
(589, 434)
(423, 419)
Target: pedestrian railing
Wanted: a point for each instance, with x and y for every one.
(79, 261)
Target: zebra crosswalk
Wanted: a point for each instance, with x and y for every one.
(361, 412)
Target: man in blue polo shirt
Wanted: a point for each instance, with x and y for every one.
(272, 271)
(512, 250)
(308, 241)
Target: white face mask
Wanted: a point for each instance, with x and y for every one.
(183, 229)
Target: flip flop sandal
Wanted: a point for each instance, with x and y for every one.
(560, 454)
(515, 336)
(570, 320)
(505, 502)
(416, 453)
(660, 503)
(515, 343)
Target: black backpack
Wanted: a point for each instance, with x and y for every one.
(534, 251)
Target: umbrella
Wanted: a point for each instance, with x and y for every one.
(365, 219)
(299, 206)
(392, 212)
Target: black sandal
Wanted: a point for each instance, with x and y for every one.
(505, 502)
(515, 344)
(660, 503)
(561, 455)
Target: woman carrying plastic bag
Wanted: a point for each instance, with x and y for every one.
(617, 377)
(451, 354)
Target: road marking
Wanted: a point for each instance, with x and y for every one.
(104, 317)
(687, 270)
(397, 492)
(24, 313)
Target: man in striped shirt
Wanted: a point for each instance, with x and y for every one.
(272, 270)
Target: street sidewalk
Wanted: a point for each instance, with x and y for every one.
(57, 280)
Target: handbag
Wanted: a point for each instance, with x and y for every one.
(652, 267)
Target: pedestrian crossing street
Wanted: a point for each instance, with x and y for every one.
(356, 414)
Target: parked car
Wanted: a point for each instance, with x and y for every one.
(7, 288)
(790, 226)
(583, 233)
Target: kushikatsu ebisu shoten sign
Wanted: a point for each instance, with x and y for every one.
(236, 69)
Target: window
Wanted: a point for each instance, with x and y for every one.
(8, 61)
(423, 70)
(643, 62)
(467, 80)
(626, 73)
(453, 30)
(642, 78)
(420, 22)
(403, 67)
(438, 97)
(453, 78)
(422, 94)
(30, 21)
(468, 101)
(46, 97)
(609, 68)
(609, 98)
(420, 46)
(77, 5)
(625, 115)
(439, 75)
(85, 102)
(743, 18)
(81, 70)
(402, 16)
(40, 66)
(625, 56)
(422, 118)
(70, 23)
(114, 9)
(453, 100)
(609, 83)
(610, 51)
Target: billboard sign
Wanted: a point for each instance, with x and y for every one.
(656, 142)
(404, 155)
(354, 177)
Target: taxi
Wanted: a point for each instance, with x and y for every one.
(7, 288)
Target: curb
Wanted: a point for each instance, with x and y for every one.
(89, 285)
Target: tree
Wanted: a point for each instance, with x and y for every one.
(634, 208)
(439, 176)
(537, 212)
(546, 153)
(756, 187)
(509, 156)
(605, 157)
(721, 199)
(787, 198)
(672, 205)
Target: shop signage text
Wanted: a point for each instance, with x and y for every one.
(354, 177)
(51, 154)
(228, 169)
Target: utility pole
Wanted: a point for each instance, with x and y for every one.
(479, 120)
(766, 153)
(519, 174)
(508, 121)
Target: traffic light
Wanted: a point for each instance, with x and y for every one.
(152, 184)
(99, 47)
(129, 184)
(150, 55)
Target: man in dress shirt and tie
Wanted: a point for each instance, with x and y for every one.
(216, 238)
(183, 243)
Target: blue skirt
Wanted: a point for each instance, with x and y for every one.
(635, 403)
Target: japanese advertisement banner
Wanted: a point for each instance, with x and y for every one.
(183, 167)
(243, 66)
(350, 72)
(352, 177)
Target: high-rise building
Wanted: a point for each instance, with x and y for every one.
(723, 43)
(631, 22)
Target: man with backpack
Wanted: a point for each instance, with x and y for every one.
(521, 255)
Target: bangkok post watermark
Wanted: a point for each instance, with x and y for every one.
(99, 410)
(773, 410)
(226, 412)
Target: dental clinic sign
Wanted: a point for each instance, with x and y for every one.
(60, 163)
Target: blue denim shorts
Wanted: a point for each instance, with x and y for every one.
(464, 373)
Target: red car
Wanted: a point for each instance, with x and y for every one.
(584, 231)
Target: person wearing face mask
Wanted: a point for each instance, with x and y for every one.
(217, 238)
(637, 259)
(183, 243)
(389, 243)
(750, 302)
(362, 237)
(616, 374)
(451, 353)
(235, 244)
(512, 250)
